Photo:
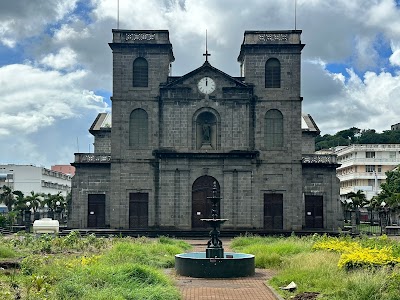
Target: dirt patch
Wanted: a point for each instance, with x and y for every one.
(9, 264)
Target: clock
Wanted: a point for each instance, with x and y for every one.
(206, 85)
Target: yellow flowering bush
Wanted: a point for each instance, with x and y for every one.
(337, 245)
(354, 255)
(82, 261)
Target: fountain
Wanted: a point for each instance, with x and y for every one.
(214, 263)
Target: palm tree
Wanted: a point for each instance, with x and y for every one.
(55, 202)
(20, 205)
(35, 201)
(358, 199)
(7, 197)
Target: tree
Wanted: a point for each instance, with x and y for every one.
(51, 201)
(35, 201)
(358, 199)
(390, 194)
(7, 197)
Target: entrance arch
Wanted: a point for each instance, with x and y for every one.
(201, 206)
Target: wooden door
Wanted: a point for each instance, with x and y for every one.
(201, 206)
(138, 210)
(314, 211)
(96, 211)
(273, 211)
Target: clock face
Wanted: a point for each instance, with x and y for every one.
(206, 85)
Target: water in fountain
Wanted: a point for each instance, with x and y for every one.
(214, 263)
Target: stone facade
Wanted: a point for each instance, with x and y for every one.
(172, 139)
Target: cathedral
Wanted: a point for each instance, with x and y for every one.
(170, 139)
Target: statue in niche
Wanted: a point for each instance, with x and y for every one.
(206, 130)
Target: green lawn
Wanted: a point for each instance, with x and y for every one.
(317, 270)
(88, 268)
(75, 267)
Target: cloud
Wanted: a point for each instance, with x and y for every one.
(65, 58)
(23, 19)
(350, 64)
(34, 98)
(367, 102)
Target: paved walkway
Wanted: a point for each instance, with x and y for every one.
(247, 288)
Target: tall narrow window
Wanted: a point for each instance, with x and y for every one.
(274, 129)
(138, 129)
(272, 73)
(140, 72)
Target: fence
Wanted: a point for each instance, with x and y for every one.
(371, 222)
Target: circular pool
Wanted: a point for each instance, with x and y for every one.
(196, 264)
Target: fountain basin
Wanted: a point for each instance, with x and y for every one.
(196, 264)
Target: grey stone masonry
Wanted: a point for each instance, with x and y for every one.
(171, 140)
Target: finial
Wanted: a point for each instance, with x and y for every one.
(206, 54)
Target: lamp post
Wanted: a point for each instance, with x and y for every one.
(383, 216)
(27, 216)
(58, 210)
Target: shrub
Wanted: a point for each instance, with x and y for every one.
(7, 252)
(357, 253)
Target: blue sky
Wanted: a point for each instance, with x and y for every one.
(55, 63)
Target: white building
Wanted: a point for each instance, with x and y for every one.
(363, 167)
(28, 178)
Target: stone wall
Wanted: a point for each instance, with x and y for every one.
(88, 179)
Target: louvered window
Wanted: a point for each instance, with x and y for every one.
(272, 73)
(140, 72)
(138, 129)
(274, 129)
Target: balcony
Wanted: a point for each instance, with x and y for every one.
(361, 175)
(326, 159)
(92, 158)
(387, 161)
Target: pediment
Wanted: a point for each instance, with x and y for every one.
(190, 80)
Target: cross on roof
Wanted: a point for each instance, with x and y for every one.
(206, 54)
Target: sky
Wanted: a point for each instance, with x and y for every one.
(56, 65)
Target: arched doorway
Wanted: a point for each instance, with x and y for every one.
(201, 206)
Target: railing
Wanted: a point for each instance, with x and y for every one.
(92, 158)
(368, 147)
(387, 161)
(319, 159)
(360, 175)
(371, 222)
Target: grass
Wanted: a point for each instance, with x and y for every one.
(75, 267)
(317, 271)
(270, 252)
(6, 252)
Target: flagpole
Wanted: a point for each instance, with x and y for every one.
(295, 14)
(117, 14)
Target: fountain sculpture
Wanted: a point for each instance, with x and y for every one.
(214, 263)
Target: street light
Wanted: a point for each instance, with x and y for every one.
(27, 216)
(58, 210)
(384, 216)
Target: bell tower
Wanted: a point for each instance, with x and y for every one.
(141, 61)
(271, 61)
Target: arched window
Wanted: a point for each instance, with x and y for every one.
(140, 72)
(273, 129)
(272, 73)
(138, 129)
